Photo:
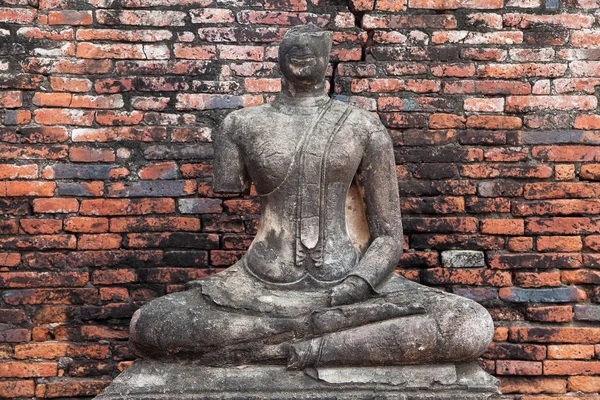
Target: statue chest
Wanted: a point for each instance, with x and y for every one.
(288, 147)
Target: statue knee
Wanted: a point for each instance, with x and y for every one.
(468, 330)
(142, 331)
(160, 327)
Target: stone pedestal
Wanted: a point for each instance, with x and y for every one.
(153, 380)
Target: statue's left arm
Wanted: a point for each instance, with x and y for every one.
(377, 179)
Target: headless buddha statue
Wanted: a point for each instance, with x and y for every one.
(304, 294)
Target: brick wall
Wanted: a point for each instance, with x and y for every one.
(108, 107)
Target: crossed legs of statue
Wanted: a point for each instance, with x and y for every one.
(406, 323)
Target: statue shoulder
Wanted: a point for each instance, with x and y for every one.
(237, 119)
(367, 120)
(368, 126)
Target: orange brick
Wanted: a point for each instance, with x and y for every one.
(533, 385)
(86, 224)
(55, 205)
(500, 334)
(585, 384)
(559, 243)
(503, 226)
(566, 367)
(41, 226)
(18, 369)
(98, 242)
(444, 121)
(587, 122)
(493, 122)
(571, 351)
(538, 279)
(511, 367)
(27, 188)
(17, 389)
(520, 244)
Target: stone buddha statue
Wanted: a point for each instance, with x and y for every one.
(306, 294)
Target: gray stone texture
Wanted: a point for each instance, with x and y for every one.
(463, 259)
(153, 380)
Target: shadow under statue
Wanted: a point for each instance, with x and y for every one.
(311, 311)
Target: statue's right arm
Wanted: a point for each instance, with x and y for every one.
(229, 170)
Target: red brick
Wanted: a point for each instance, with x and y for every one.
(113, 276)
(454, 4)
(114, 294)
(362, 5)
(392, 85)
(141, 17)
(517, 71)
(443, 121)
(86, 224)
(14, 389)
(154, 224)
(533, 386)
(559, 243)
(571, 352)
(563, 225)
(64, 84)
(70, 388)
(541, 103)
(264, 85)
(166, 170)
(70, 17)
(11, 99)
(89, 154)
(567, 367)
(502, 226)
(585, 384)
(520, 244)
(25, 171)
(535, 260)
(493, 122)
(565, 154)
(590, 171)
(127, 207)
(390, 5)
(119, 118)
(41, 226)
(453, 70)
(17, 15)
(27, 188)
(580, 335)
(587, 122)
(471, 276)
(567, 21)
(55, 205)
(484, 105)
(511, 367)
(19, 369)
(581, 276)
(538, 279)
(100, 241)
(49, 116)
(564, 172)
(211, 16)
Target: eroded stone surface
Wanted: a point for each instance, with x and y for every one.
(154, 380)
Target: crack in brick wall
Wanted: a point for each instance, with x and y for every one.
(108, 108)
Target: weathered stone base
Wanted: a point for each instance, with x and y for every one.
(152, 380)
